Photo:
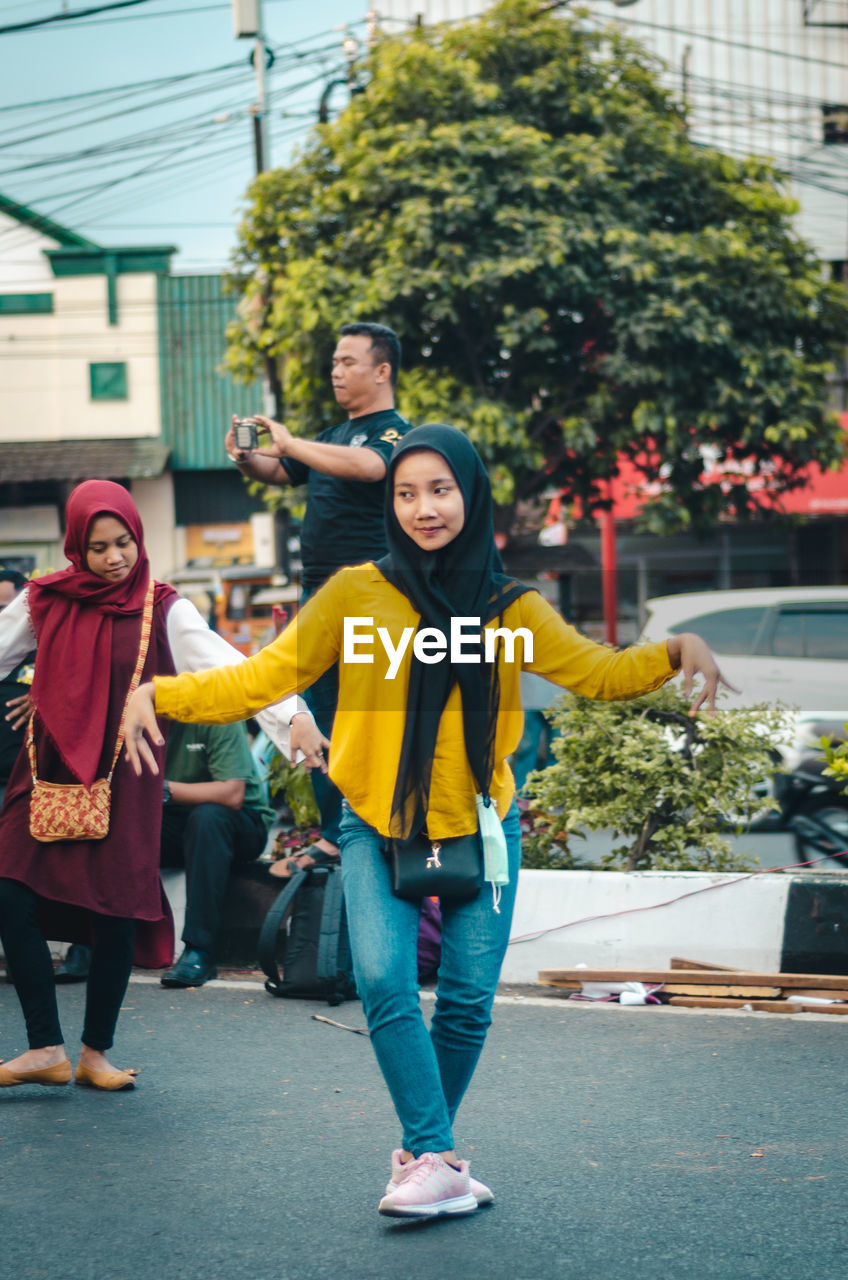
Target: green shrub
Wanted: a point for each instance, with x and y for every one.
(669, 788)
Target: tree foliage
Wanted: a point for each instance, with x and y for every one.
(669, 788)
(573, 279)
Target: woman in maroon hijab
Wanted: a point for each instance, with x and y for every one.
(86, 622)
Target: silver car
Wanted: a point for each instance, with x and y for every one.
(786, 644)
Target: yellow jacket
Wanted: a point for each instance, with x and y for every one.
(369, 721)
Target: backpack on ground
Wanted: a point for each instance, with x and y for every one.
(306, 928)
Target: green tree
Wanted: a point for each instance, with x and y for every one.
(574, 280)
(669, 788)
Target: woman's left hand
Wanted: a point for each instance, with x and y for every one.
(141, 720)
(693, 656)
(307, 738)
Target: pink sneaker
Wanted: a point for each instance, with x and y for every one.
(481, 1193)
(429, 1189)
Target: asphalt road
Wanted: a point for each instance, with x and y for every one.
(641, 1143)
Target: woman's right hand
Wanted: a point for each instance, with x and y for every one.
(141, 720)
(21, 710)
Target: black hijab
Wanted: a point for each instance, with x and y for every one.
(461, 579)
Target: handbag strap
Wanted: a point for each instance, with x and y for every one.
(146, 627)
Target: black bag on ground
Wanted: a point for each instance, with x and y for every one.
(316, 959)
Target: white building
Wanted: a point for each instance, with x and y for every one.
(759, 77)
(79, 387)
(109, 370)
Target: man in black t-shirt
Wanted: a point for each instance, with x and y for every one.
(344, 468)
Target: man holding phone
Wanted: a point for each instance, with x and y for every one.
(344, 468)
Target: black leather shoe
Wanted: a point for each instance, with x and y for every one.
(76, 964)
(191, 970)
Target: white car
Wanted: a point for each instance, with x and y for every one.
(781, 644)
(786, 644)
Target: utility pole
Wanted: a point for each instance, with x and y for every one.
(247, 24)
(260, 127)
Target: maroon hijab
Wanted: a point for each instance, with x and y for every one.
(72, 614)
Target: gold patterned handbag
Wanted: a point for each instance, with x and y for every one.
(72, 811)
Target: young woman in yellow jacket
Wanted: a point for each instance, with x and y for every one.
(429, 710)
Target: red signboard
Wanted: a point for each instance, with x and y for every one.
(825, 493)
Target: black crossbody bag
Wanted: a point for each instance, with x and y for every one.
(451, 869)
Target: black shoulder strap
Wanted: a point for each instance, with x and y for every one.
(331, 925)
(267, 945)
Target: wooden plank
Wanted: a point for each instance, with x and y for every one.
(835, 994)
(819, 1008)
(720, 989)
(568, 977)
(677, 962)
(761, 1006)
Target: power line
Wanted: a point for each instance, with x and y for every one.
(149, 104)
(170, 13)
(125, 90)
(112, 115)
(723, 40)
(289, 51)
(149, 137)
(69, 16)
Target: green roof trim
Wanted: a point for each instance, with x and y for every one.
(29, 218)
(96, 260)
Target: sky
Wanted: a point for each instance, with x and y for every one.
(132, 126)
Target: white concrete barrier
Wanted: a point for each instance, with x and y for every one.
(617, 919)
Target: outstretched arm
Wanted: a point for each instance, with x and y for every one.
(224, 694)
(194, 647)
(332, 459)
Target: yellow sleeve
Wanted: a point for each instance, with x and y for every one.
(562, 654)
(292, 662)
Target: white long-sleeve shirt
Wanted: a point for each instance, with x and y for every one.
(194, 647)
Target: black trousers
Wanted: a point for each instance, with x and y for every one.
(207, 839)
(31, 966)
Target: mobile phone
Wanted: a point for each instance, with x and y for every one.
(246, 433)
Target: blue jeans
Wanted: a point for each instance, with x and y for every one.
(426, 1073)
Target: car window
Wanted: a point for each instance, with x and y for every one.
(816, 632)
(726, 631)
(787, 639)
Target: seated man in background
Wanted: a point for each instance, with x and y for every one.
(214, 815)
